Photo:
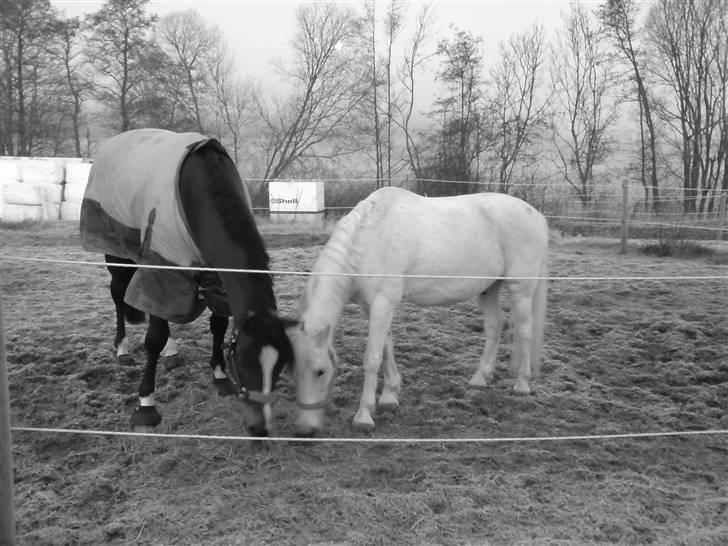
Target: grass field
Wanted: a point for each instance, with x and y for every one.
(620, 357)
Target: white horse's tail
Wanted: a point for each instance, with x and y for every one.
(539, 319)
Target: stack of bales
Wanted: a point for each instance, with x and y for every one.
(41, 189)
(76, 179)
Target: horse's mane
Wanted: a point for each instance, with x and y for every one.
(324, 296)
(231, 200)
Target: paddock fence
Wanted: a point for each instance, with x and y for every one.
(604, 216)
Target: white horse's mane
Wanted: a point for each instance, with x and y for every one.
(325, 296)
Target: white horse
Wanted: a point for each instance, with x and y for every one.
(398, 246)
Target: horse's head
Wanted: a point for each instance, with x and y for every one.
(313, 375)
(258, 352)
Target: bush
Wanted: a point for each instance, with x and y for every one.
(672, 241)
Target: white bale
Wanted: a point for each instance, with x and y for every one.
(70, 211)
(50, 193)
(12, 213)
(73, 193)
(33, 171)
(9, 170)
(51, 211)
(77, 173)
(17, 193)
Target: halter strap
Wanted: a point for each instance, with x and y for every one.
(257, 396)
(312, 406)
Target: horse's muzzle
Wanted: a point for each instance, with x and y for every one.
(309, 421)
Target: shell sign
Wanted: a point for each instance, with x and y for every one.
(296, 200)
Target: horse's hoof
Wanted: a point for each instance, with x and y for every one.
(480, 381)
(125, 360)
(145, 416)
(172, 361)
(143, 429)
(363, 422)
(304, 433)
(363, 427)
(389, 406)
(521, 394)
(224, 386)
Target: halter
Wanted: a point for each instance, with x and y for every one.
(313, 406)
(245, 394)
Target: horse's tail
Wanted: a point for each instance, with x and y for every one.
(133, 315)
(539, 318)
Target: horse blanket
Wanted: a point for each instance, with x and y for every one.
(131, 209)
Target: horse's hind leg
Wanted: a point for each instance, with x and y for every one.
(392, 379)
(492, 325)
(146, 414)
(218, 327)
(381, 313)
(522, 312)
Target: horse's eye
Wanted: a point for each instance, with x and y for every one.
(320, 372)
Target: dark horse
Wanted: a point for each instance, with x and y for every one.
(215, 211)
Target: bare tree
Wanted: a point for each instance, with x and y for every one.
(519, 106)
(29, 81)
(584, 77)
(722, 82)
(68, 50)
(460, 109)
(119, 49)
(415, 57)
(187, 40)
(393, 24)
(618, 18)
(690, 41)
(328, 83)
(229, 97)
(370, 41)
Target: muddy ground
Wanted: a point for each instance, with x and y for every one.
(620, 357)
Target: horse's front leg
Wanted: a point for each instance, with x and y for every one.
(170, 355)
(218, 327)
(146, 414)
(388, 400)
(117, 287)
(381, 313)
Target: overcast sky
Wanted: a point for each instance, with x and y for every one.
(259, 32)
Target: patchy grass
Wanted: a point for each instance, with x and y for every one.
(620, 357)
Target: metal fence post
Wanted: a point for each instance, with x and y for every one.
(722, 206)
(7, 512)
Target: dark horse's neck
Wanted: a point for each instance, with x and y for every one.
(222, 225)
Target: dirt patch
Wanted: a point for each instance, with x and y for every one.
(620, 357)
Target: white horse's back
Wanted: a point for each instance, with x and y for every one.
(482, 235)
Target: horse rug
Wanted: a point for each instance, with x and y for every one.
(131, 209)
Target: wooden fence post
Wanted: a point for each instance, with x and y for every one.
(722, 206)
(7, 512)
(625, 217)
